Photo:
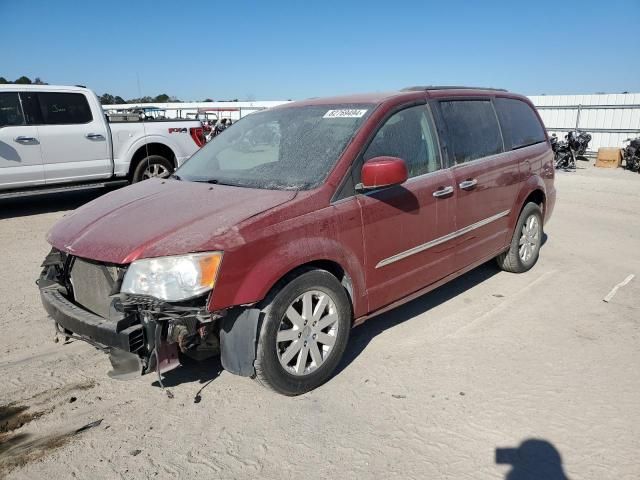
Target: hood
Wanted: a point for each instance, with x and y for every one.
(159, 217)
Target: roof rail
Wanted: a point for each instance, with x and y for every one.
(448, 87)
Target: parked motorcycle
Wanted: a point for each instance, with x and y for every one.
(578, 142)
(566, 152)
(631, 154)
(562, 154)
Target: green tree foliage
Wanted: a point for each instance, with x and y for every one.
(23, 81)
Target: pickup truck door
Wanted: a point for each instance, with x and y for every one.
(74, 138)
(20, 157)
(407, 227)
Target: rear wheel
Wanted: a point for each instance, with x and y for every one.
(304, 333)
(153, 166)
(525, 245)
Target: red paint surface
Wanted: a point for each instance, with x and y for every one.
(265, 234)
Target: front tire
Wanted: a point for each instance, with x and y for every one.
(304, 333)
(153, 166)
(525, 245)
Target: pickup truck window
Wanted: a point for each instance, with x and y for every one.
(64, 108)
(472, 129)
(290, 148)
(10, 110)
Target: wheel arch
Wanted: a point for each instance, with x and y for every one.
(153, 148)
(532, 191)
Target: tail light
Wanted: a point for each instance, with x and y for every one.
(197, 133)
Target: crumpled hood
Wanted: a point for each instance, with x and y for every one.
(158, 217)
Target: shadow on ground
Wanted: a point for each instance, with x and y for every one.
(203, 372)
(533, 459)
(52, 202)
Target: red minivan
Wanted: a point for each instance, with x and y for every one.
(298, 223)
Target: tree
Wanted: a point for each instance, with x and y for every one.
(38, 81)
(162, 98)
(3, 80)
(23, 81)
(118, 100)
(107, 99)
(208, 100)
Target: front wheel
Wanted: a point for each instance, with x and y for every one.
(304, 333)
(525, 245)
(153, 166)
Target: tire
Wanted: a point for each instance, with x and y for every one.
(519, 258)
(292, 376)
(152, 166)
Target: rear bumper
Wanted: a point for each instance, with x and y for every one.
(120, 333)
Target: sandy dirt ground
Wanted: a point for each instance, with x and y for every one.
(534, 362)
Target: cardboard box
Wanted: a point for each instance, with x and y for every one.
(609, 157)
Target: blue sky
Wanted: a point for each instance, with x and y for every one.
(285, 49)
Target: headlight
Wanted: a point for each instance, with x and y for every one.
(173, 278)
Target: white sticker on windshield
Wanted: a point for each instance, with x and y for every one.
(344, 113)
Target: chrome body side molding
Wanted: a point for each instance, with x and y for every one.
(438, 241)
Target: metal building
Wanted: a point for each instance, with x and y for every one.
(609, 118)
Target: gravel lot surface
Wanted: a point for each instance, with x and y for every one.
(535, 362)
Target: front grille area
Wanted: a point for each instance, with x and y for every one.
(93, 284)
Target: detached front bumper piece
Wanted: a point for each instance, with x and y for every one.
(124, 333)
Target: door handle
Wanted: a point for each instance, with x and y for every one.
(443, 192)
(94, 136)
(468, 184)
(23, 139)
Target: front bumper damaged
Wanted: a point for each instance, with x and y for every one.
(140, 333)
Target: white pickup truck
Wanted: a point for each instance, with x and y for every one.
(59, 138)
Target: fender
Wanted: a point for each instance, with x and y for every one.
(151, 138)
(533, 183)
(274, 263)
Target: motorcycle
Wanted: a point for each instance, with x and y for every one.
(565, 153)
(562, 154)
(631, 154)
(578, 142)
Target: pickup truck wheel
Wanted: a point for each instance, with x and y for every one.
(151, 167)
(525, 245)
(304, 333)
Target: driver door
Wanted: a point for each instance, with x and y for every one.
(405, 226)
(20, 155)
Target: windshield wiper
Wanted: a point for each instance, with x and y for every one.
(215, 181)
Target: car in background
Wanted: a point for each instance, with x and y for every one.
(58, 138)
(299, 223)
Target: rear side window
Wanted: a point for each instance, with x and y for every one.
(520, 125)
(10, 110)
(31, 108)
(472, 129)
(64, 108)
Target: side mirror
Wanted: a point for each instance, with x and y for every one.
(383, 172)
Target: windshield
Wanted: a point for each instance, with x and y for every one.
(290, 148)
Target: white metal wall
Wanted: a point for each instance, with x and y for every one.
(609, 118)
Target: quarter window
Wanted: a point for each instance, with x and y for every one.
(64, 108)
(409, 135)
(520, 125)
(472, 129)
(10, 110)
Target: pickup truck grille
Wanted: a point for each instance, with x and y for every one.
(93, 283)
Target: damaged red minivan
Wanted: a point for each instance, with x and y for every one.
(298, 223)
